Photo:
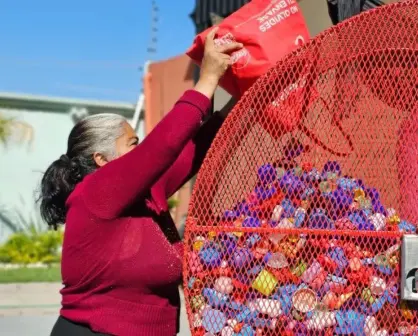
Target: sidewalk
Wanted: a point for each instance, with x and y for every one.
(20, 304)
(30, 299)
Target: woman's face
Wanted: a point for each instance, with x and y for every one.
(124, 144)
(127, 141)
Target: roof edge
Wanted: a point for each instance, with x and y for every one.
(62, 104)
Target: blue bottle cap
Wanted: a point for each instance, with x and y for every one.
(258, 322)
(210, 254)
(246, 331)
(359, 219)
(337, 254)
(319, 220)
(252, 240)
(407, 227)
(347, 184)
(245, 315)
(288, 208)
(214, 298)
(235, 306)
(307, 193)
(213, 320)
(300, 215)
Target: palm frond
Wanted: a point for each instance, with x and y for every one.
(12, 129)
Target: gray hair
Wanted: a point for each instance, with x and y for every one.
(96, 133)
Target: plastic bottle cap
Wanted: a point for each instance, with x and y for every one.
(213, 320)
(304, 300)
(223, 285)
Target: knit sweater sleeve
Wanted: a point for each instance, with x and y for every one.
(191, 158)
(115, 186)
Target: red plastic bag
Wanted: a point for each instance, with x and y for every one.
(269, 29)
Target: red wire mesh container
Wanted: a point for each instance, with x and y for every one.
(298, 212)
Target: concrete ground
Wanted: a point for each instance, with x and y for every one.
(32, 309)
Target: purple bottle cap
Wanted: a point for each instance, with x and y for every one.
(264, 193)
(332, 167)
(373, 194)
(343, 200)
(361, 184)
(230, 215)
(267, 174)
(293, 148)
(242, 257)
(251, 222)
(378, 207)
(254, 271)
(243, 209)
(292, 185)
(228, 243)
(338, 203)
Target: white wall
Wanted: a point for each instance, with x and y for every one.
(21, 164)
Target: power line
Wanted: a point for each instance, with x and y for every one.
(152, 46)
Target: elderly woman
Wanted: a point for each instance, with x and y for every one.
(122, 255)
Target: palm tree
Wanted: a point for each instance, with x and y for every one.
(11, 128)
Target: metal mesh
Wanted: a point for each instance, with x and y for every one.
(298, 211)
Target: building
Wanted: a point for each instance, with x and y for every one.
(51, 120)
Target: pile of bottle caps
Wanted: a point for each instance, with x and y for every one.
(295, 257)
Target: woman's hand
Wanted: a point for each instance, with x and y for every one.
(216, 60)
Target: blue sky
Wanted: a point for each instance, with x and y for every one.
(86, 48)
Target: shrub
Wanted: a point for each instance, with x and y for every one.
(28, 248)
(30, 242)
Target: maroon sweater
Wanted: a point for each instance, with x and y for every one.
(122, 255)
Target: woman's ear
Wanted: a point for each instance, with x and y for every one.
(99, 159)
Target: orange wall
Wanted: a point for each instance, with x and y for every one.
(164, 83)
